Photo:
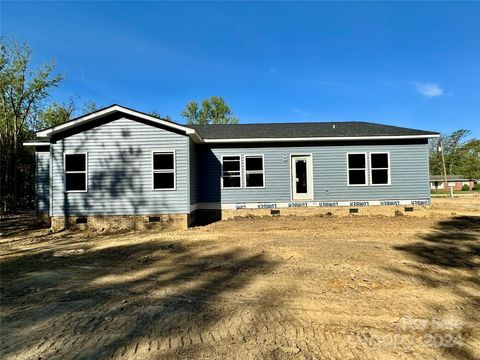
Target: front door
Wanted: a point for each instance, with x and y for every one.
(302, 186)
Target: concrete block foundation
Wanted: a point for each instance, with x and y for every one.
(114, 223)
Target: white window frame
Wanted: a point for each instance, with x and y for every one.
(245, 171)
(388, 169)
(165, 171)
(65, 172)
(365, 170)
(239, 170)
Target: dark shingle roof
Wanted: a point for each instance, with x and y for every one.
(303, 130)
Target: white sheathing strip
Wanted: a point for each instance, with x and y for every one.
(294, 204)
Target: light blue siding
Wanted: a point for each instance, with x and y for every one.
(120, 171)
(193, 161)
(42, 181)
(409, 174)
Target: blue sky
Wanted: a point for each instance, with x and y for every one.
(407, 64)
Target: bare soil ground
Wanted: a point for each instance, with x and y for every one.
(269, 288)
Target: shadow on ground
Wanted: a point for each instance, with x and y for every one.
(97, 302)
(449, 257)
(11, 225)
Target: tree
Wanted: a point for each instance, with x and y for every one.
(213, 111)
(56, 114)
(470, 160)
(23, 93)
(462, 155)
(89, 107)
(156, 114)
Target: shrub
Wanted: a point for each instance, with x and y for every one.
(476, 186)
(465, 187)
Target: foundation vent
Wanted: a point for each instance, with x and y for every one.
(81, 220)
(275, 212)
(353, 211)
(153, 219)
(408, 209)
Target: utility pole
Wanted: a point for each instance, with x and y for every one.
(444, 168)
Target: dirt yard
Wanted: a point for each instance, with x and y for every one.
(269, 288)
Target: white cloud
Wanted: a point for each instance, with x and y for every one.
(429, 89)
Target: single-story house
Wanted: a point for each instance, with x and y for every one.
(119, 165)
(437, 182)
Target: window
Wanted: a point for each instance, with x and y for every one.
(163, 171)
(75, 172)
(380, 168)
(231, 171)
(254, 172)
(357, 169)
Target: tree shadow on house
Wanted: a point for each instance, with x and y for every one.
(448, 257)
(102, 302)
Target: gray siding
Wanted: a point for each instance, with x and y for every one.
(120, 171)
(193, 173)
(42, 180)
(409, 174)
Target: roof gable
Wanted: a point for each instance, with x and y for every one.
(109, 111)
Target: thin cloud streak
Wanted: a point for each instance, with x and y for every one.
(429, 90)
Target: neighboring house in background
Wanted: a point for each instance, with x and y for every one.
(437, 182)
(121, 166)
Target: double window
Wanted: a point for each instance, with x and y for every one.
(163, 168)
(254, 173)
(379, 169)
(75, 166)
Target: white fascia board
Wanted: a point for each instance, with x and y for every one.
(107, 111)
(338, 138)
(36, 143)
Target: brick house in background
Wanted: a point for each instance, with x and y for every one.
(437, 182)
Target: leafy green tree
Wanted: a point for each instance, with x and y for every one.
(213, 111)
(470, 160)
(23, 90)
(56, 114)
(462, 155)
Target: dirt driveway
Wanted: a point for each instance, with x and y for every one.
(274, 288)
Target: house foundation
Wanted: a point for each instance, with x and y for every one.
(338, 211)
(114, 223)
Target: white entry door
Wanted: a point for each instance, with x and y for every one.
(302, 177)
